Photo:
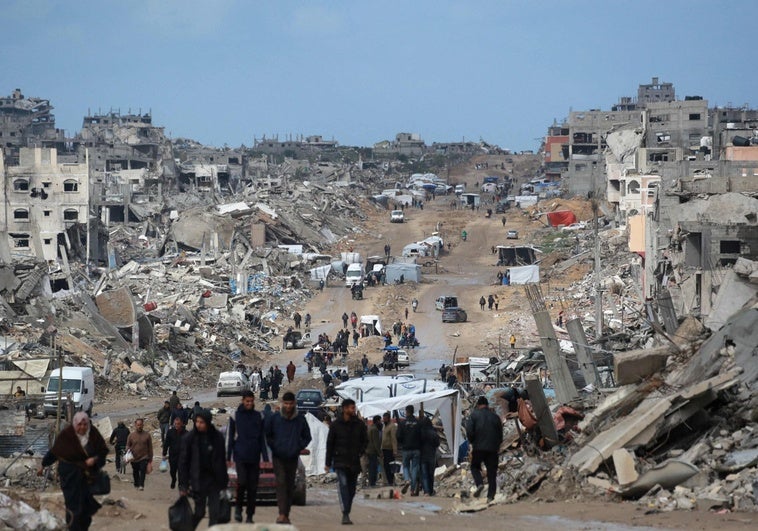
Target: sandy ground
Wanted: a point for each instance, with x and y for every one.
(467, 271)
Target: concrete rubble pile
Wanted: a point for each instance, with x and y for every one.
(19, 516)
(186, 294)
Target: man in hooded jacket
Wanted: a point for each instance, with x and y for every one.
(202, 468)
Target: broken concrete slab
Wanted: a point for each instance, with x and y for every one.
(638, 365)
(734, 293)
(668, 475)
(117, 307)
(216, 300)
(602, 446)
(626, 471)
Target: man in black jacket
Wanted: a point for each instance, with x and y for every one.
(345, 445)
(430, 441)
(246, 443)
(485, 434)
(172, 447)
(202, 467)
(118, 439)
(164, 419)
(409, 440)
(287, 434)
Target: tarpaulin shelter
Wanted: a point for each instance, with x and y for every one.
(410, 273)
(371, 388)
(525, 275)
(561, 217)
(446, 403)
(374, 324)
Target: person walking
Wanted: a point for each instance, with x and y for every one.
(430, 441)
(164, 419)
(482, 302)
(246, 444)
(174, 400)
(291, 372)
(374, 449)
(179, 412)
(287, 434)
(202, 468)
(490, 301)
(197, 408)
(409, 440)
(80, 451)
(297, 318)
(345, 318)
(513, 341)
(307, 320)
(172, 448)
(345, 445)
(389, 447)
(118, 440)
(141, 445)
(485, 435)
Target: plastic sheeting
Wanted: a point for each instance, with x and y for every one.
(561, 217)
(380, 387)
(446, 403)
(320, 273)
(314, 462)
(525, 275)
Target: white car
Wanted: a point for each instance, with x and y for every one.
(232, 383)
(397, 216)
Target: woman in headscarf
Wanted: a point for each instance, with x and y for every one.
(80, 451)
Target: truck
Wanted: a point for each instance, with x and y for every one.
(78, 383)
(354, 275)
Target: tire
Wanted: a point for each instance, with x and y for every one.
(299, 497)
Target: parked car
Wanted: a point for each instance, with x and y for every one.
(574, 226)
(267, 482)
(310, 401)
(232, 383)
(502, 206)
(512, 235)
(297, 339)
(454, 314)
(446, 301)
(397, 216)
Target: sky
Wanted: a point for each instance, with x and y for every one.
(226, 71)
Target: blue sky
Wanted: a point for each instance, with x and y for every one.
(225, 71)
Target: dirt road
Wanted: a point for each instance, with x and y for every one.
(467, 271)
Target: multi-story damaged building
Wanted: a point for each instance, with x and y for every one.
(131, 164)
(42, 200)
(204, 168)
(27, 122)
(408, 144)
(299, 147)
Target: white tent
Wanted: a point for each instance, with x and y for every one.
(446, 403)
(379, 387)
(374, 322)
(525, 274)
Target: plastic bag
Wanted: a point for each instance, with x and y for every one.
(180, 515)
(224, 508)
(163, 466)
(128, 457)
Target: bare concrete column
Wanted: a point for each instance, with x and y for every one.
(540, 408)
(565, 390)
(583, 353)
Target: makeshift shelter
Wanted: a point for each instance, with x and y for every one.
(446, 403)
(371, 388)
(516, 255)
(320, 273)
(374, 324)
(409, 272)
(416, 249)
(525, 275)
(470, 199)
(560, 217)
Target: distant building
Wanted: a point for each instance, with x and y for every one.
(408, 144)
(41, 200)
(300, 147)
(26, 122)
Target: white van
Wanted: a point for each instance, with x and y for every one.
(354, 274)
(78, 382)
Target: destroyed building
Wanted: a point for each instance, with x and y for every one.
(299, 147)
(42, 200)
(408, 144)
(26, 122)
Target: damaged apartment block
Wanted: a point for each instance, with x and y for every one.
(44, 208)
